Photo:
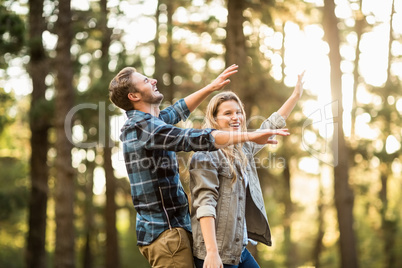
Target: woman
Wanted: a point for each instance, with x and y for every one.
(227, 206)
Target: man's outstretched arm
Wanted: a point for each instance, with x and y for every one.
(226, 138)
(171, 138)
(195, 99)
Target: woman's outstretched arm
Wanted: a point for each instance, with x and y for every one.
(290, 103)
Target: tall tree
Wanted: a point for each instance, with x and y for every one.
(39, 124)
(344, 196)
(236, 51)
(318, 247)
(159, 70)
(170, 60)
(291, 256)
(112, 246)
(166, 65)
(389, 224)
(359, 30)
(64, 100)
(88, 251)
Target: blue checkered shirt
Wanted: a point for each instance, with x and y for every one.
(149, 146)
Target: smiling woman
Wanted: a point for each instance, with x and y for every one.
(227, 199)
(230, 116)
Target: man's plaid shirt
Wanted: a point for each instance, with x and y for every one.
(149, 146)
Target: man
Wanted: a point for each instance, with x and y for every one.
(150, 141)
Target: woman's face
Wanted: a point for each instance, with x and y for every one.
(229, 116)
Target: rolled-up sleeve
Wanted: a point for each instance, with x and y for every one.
(275, 121)
(204, 184)
(156, 134)
(173, 114)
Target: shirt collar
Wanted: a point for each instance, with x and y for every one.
(136, 113)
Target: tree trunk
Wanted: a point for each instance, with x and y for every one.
(391, 39)
(159, 61)
(318, 247)
(283, 49)
(236, 52)
(389, 225)
(291, 254)
(344, 197)
(39, 123)
(112, 246)
(359, 26)
(88, 259)
(170, 59)
(65, 236)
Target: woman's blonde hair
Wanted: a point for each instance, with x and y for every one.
(233, 153)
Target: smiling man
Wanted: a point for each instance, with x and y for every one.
(150, 141)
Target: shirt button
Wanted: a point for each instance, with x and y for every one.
(241, 198)
(237, 239)
(239, 218)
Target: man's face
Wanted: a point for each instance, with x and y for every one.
(147, 88)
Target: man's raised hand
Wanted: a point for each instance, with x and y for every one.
(223, 79)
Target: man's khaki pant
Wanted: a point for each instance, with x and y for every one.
(172, 249)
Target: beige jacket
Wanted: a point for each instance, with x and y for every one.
(214, 194)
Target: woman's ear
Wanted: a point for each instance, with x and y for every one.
(134, 96)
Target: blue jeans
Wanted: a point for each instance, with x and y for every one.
(246, 261)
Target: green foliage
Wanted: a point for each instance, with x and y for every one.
(13, 203)
(130, 252)
(13, 188)
(6, 102)
(12, 30)
(11, 257)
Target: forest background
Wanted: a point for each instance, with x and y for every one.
(331, 189)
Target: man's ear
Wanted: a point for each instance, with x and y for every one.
(134, 96)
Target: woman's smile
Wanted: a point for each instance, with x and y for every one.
(229, 116)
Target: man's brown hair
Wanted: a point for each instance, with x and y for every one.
(120, 86)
